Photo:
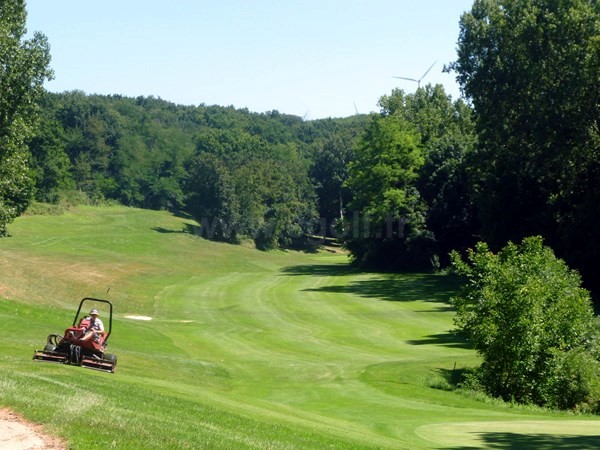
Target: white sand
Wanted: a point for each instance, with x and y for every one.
(138, 317)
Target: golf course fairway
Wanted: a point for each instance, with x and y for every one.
(240, 348)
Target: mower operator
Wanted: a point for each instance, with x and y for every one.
(95, 329)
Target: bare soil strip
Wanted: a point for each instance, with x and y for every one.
(17, 433)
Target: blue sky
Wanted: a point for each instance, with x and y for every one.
(309, 58)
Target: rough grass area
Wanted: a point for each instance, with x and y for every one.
(245, 349)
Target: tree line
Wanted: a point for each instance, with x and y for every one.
(271, 177)
(239, 174)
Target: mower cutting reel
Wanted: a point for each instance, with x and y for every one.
(70, 348)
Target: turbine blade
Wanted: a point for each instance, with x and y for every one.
(409, 79)
(425, 74)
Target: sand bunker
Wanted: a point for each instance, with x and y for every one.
(138, 317)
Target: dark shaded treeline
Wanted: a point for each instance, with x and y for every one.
(531, 72)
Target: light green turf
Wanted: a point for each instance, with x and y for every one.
(246, 349)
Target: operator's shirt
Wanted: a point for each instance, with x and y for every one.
(96, 325)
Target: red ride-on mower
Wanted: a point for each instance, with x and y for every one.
(71, 348)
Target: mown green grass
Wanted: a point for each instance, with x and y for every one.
(246, 349)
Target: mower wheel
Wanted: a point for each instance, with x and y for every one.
(112, 359)
(54, 339)
(49, 348)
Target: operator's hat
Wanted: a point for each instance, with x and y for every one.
(94, 311)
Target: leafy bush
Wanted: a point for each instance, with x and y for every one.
(529, 318)
(40, 209)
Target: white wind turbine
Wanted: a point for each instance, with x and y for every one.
(420, 79)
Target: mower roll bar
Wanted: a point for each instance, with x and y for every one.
(91, 299)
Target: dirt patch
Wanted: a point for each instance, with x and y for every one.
(18, 434)
(4, 291)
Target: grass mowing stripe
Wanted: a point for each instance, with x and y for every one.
(246, 349)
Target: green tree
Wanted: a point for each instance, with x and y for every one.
(277, 202)
(448, 139)
(332, 156)
(242, 186)
(527, 315)
(387, 212)
(23, 70)
(331, 145)
(212, 199)
(530, 69)
(49, 161)
(92, 133)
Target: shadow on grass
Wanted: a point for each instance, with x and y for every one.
(497, 440)
(182, 215)
(166, 231)
(445, 307)
(446, 339)
(454, 378)
(186, 229)
(322, 270)
(394, 287)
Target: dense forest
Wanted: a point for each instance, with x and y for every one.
(271, 177)
(242, 175)
(518, 156)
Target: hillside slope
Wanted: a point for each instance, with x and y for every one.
(245, 349)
